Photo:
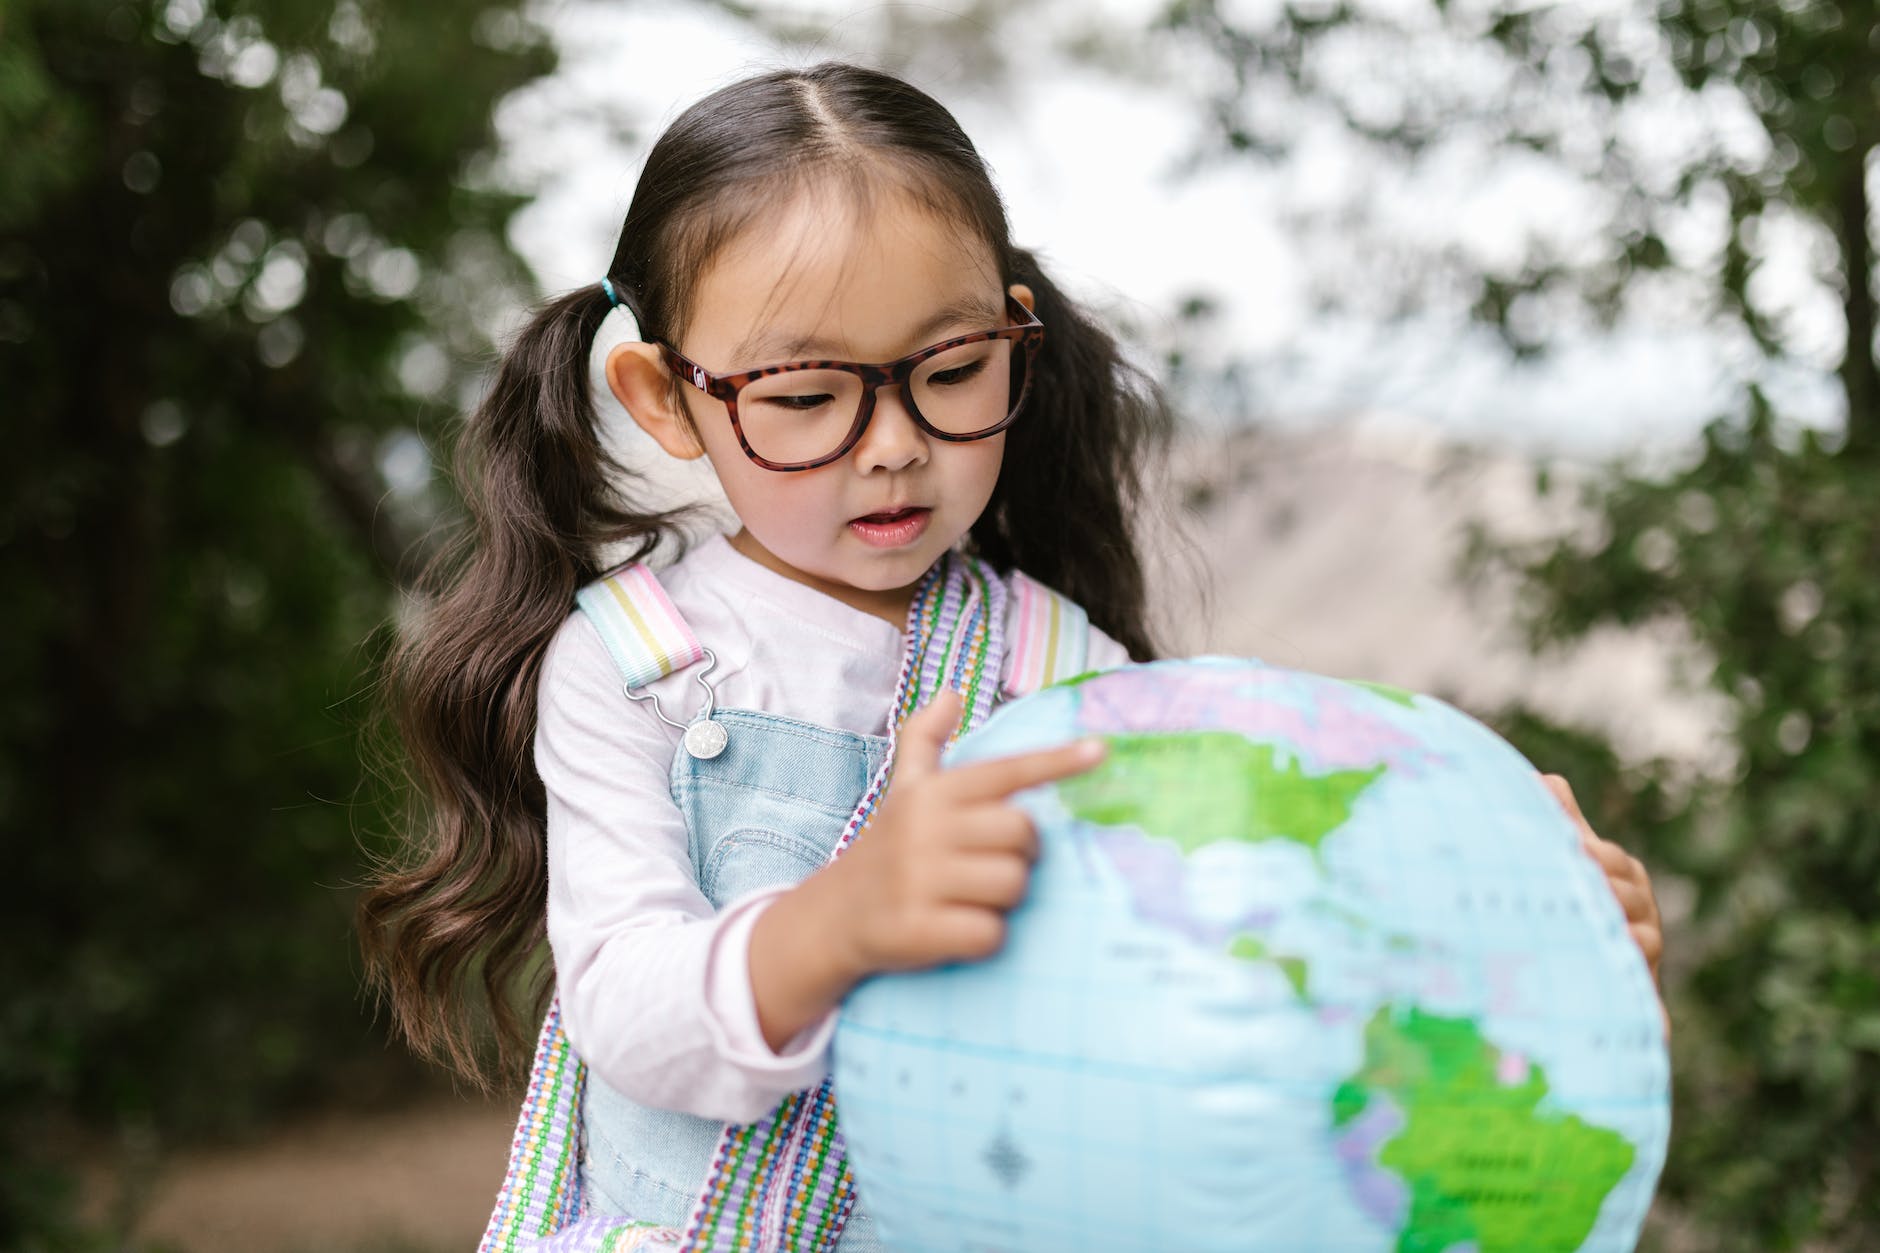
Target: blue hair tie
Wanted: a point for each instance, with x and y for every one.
(607, 285)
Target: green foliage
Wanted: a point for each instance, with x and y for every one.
(1767, 547)
(1769, 553)
(241, 245)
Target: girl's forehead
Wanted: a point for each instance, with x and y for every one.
(828, 276)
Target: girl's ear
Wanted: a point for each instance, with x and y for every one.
(1022, 294)
(639, 380)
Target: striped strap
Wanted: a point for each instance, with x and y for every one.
(1047, 637)
(541, 1189)
(643, 632)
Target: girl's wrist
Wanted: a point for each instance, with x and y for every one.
(839, 921)
(803, 958)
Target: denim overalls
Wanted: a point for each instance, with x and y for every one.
(768, 810)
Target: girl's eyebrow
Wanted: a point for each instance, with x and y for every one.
(785, 345)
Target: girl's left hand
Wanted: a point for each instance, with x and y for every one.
(1625, 874)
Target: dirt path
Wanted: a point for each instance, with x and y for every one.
(415, 1181)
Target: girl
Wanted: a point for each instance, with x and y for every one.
(665, 815)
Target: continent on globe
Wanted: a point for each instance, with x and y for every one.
(1485, 1166)
(1148, 781)
(1253, 949)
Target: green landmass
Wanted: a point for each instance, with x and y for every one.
(1251, 948)
(1197, 788)
(1484, 1164)
(1407, 699)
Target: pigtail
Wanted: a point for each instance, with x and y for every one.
(1072, 481)
(463, 911)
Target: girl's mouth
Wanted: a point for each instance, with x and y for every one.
(893, 529)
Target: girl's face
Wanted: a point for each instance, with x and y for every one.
(820, 282)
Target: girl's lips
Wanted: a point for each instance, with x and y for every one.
(891, 530)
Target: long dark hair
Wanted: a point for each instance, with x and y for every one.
(462, 913)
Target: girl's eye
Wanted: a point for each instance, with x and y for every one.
(958, 374)
(799, 404)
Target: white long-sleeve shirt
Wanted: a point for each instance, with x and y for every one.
(654, 984)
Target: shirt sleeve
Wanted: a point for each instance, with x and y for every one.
(654, 983)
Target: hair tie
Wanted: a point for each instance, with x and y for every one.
(621, 314)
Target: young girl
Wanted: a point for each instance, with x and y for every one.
(665, 815)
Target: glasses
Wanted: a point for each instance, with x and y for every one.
(808, 413)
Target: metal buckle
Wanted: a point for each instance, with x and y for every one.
(702, 737)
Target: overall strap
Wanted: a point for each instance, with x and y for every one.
(643, 632)
(541, 1192)
(1047, 636)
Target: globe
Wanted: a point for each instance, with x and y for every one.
(1305, 964)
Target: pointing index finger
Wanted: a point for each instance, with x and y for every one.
(1002, 776)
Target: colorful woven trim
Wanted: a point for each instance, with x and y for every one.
(608, 1233)
(636, 620)
(541, 1190)
(783, 1182)
(1049, 637)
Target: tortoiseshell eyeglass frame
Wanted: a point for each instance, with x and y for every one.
(1027, 330)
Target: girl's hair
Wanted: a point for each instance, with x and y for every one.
(466, 909)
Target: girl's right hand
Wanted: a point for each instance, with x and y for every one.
(947, 855)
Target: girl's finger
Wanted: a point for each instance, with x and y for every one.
(1651, 943)
(1615, 861)
(1635, 901)
(1563, 792)
(992, 880)
(924, 735)
(999, 778)
(966, 932)
(996, 828)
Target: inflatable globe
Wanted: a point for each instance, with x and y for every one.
(1305, 965)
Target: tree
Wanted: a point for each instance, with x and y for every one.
(244, 247)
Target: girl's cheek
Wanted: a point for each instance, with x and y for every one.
(789, 509)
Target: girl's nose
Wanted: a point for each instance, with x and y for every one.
(892, 441)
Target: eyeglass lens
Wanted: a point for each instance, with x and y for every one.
(803, 415)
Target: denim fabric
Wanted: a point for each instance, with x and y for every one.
(767, 810)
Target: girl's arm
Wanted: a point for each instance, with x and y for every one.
(636, 943)
(797, 976)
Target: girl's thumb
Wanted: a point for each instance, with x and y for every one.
(924, 735)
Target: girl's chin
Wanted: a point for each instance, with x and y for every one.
(884, 572)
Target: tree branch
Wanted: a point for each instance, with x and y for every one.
(1860, 376)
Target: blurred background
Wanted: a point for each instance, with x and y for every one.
(1527, 356)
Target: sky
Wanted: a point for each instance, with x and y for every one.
(1089, 165)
